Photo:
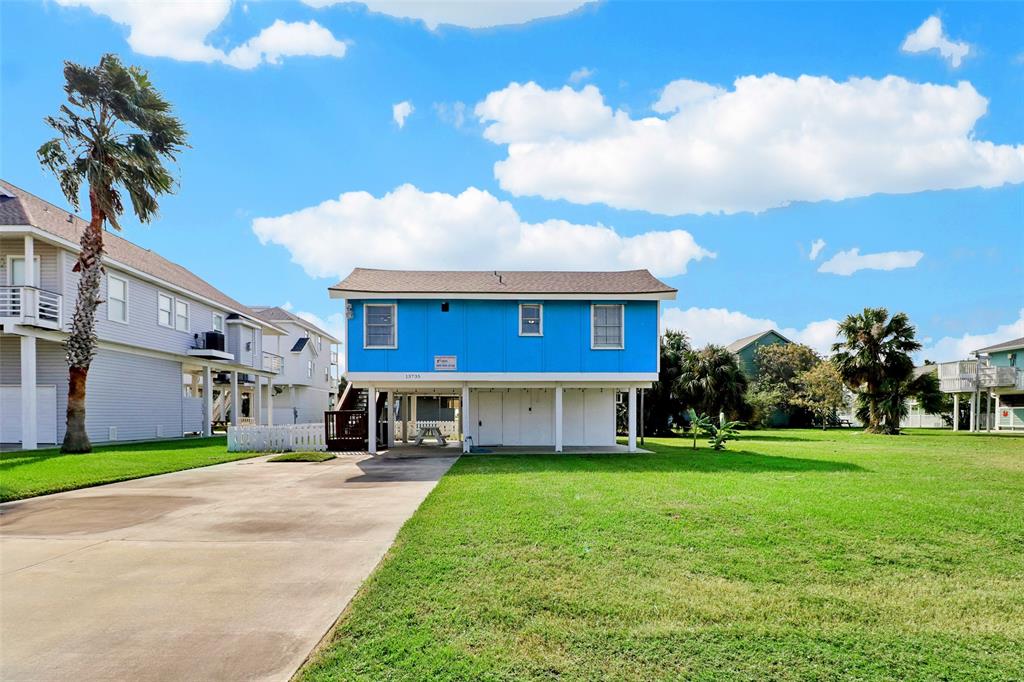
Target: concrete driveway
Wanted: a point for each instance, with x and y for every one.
(231, 572)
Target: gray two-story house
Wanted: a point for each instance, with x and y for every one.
(308, 382)
(175, 354)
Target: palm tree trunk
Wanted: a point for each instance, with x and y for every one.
(81, 343)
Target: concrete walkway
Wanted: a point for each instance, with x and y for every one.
(231, 572)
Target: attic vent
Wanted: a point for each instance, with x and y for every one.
(498, 275)
(71, 218)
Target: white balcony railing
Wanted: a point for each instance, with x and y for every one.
(30, 306)
(272, 363)
(996, 377)
(966, 376)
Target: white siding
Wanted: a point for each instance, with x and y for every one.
(527, 416)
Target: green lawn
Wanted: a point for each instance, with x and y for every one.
(37, 472)
(793, 555)
(303, 457)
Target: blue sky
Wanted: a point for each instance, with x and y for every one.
(557, 143)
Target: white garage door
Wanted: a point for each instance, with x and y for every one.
(10, 414)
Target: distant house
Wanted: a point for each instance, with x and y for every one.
(524, 358)
(916, 415)
(174, 352)
(746, 348)
(308, 381)
(994, 380)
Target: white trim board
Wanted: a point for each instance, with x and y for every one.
(512, 296)
(501, 377)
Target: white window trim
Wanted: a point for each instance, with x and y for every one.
(309, 369)
(159, 295)
(127, 298)
(218, 316)
(541, 320)
(10, 270)
(188, 315)
(394, 316)
(622, 319)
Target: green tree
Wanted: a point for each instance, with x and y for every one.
(873, 357)
(776, 381)
(664, 410)
(712, 382)
(116, 131)
(820, 390)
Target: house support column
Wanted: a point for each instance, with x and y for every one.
(997, 411)
(29, 306)
(558, 418)
(295, 406)
(235, 401)
(464, 414)
(989, 416)
(207, 401)
(29, 435)
(257, 400)
(391, 418)
(973, 424)
(270, 401)
(404, 402)
(632, 419)
(956, 411)
(371, 420)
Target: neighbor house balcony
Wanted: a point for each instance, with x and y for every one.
(272, 362)
(210, 345)
(999, 377)
(966, 376)
(30, 306)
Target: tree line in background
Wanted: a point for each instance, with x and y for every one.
(870, 374)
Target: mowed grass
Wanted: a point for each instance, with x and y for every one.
(792, 555)
(38, 472)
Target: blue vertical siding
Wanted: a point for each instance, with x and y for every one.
(484, 337)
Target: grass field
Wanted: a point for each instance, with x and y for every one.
(37, 472)
(792, 555)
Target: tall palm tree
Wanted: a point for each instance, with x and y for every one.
(712, 381)
(115, 133)
(873, 357)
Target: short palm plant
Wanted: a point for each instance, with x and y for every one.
(115, 133)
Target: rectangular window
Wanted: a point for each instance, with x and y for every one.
(218, 323)
(381, 325)
(181, 316)
(531, 319)
(319, 343)
(16, 271)
(164, 307)
(606, 326)
(309, 369)
(117, 299)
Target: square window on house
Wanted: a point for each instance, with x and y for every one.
(181, 316)
(16, 271)
(381, 325)
(531, 319)
(164, 307)
(606, 326)
(117, 299)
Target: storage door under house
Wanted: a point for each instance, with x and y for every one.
(10, 414)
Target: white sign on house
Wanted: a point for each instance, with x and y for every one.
(444, 363)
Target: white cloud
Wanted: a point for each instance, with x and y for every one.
(849, 262)
(332, 325)
(581, 74)
(465, 13)
(474, 230)
(766, 143)
(453, 114)
(722, 326)
(401, 111)
(169, 28)
(951, 348)
(816, 248)
(680, 94)
(929, 36)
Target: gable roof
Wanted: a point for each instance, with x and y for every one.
(18, 207)
(503, 282)
(1005, 345)
(739, 344)
(279, 314)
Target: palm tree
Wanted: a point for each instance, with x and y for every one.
(115, 133)
(712, 381)
(873, 357)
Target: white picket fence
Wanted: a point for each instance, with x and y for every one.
(287, 438)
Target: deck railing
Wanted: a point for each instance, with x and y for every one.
(288, 438)
(272, 362)
(965, 376)
(31, 306)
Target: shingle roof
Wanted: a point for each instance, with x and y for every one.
(1005, 345)
(739, 344)
(365, 280)
(18, 207)
(279, 314)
